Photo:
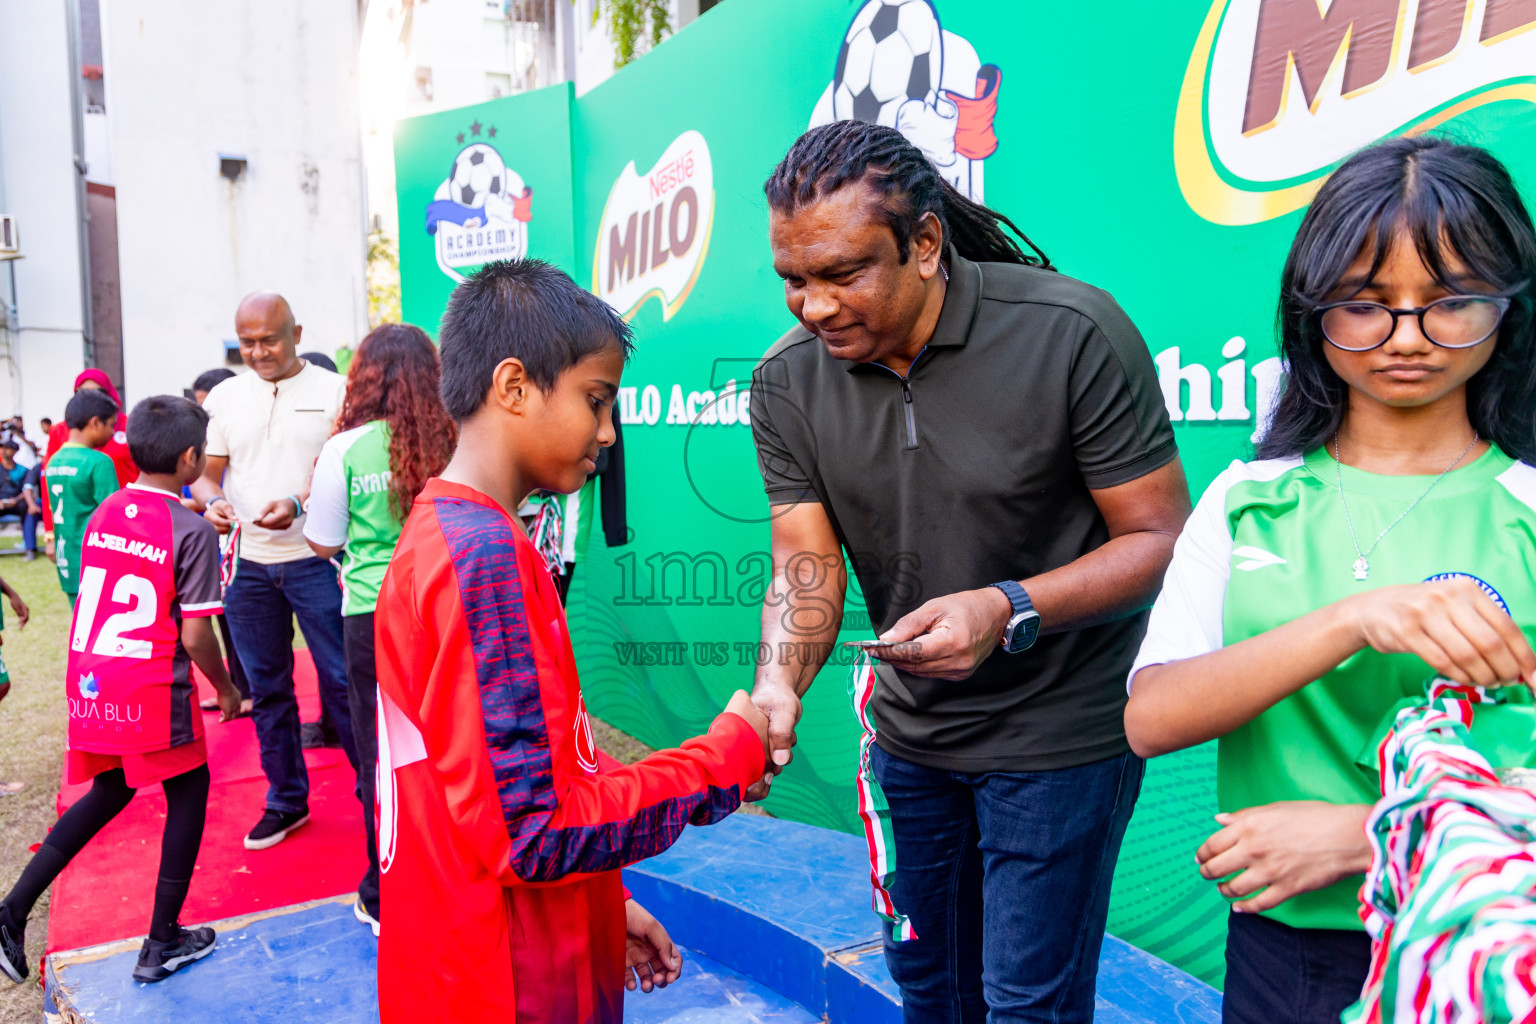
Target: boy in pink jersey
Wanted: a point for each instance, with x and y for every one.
(149, 586)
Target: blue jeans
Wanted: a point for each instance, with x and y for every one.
(1005, 877)
(260, 607)
(29, 530)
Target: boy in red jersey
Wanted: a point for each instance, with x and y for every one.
(149, 582)
(495, 823)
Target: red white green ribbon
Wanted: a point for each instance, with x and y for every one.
(229, 556)
(1450, 900)
(548, 534)
(874, 812)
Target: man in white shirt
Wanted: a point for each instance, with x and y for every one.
(265, 430)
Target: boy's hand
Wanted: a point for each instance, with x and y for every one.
(741, 704)
(23, 613)
(48, 547)
(649, 953)
(229, 704)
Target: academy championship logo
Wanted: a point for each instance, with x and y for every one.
(1277, 92)
(481, 211)
(898, 67)
(655, 229)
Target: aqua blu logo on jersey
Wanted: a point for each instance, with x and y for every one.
(897, 66)
(481, 210)
(1277, 92)
(655, 228)
(89, 688)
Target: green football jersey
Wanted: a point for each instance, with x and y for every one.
(75, 481)
(350, 506)
(1268, 543)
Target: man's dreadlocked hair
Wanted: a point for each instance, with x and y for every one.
(825, 159)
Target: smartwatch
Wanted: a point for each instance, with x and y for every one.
(1024, 625)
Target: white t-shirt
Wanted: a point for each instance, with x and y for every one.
(272, 434)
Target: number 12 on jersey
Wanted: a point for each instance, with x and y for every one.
(136, 592)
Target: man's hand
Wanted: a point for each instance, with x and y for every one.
(221, 513)
(948, 637)
(782, 707)
(277, 515)
(1284, 849)
(23, 613)
(649, 953)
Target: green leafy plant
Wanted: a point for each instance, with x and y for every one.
(383, 279)
(627, 24)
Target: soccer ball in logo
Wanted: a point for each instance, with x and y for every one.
(477, 173)
(893, 53)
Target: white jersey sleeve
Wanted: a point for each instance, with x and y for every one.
(328, 513)
(1186, 620)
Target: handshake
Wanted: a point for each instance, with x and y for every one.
(772, 713)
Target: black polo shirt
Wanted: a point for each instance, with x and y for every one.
(976, 468)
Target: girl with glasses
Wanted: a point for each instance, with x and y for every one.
(1385, 534)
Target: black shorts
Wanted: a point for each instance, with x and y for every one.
(1277, 974)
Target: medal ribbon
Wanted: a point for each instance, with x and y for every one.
(1450, 899)
(229, 556)
(548, 534)
(874, 812)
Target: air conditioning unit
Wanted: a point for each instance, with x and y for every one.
(10, 239)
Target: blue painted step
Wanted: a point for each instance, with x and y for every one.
(789, 905)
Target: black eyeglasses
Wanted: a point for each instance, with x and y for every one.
(1456, 321)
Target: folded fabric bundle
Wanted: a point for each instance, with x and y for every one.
(1450, 899)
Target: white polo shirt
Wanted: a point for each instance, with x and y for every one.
(272, 434)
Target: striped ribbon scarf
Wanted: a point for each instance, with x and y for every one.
(874, 812)
(1450, 899)
(229, 556)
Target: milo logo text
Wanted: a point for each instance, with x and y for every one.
(655, 229)
(1277, 92)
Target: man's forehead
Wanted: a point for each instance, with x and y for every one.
(264, 312)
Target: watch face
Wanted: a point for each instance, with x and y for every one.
(1022, 632)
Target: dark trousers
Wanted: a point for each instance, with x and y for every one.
(1277, 974)
(261, 605)
(1005, 877)
(363, 701)
(232, 659)
(29, 530)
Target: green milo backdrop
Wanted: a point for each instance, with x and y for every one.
(1161, 151)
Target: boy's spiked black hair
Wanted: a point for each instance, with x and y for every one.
(524, 309)
(161, 428)
(89, 404)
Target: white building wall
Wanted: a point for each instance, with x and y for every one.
(37, 168)
(274, 81)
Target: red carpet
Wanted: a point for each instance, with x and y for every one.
(107, 892)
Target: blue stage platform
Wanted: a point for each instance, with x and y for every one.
(774, 916)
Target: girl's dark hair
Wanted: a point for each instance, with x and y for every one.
(825, 159)
(1452, 201)
(394, 377)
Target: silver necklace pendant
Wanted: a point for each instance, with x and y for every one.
(1362, 568)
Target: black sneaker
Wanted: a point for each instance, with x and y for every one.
(13, 946)
(316, 736)
(273, 828)
(160, 960)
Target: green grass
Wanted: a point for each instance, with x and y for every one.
(32, 726)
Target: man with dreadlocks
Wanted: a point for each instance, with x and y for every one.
(987, 441)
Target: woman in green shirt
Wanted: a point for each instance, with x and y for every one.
(392, 435)
(1384, 535)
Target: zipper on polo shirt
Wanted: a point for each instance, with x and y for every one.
(906, 400)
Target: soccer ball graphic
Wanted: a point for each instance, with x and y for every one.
(477, 173)
(893, 53)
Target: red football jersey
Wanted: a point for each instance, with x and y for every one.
(145, 564)
(497, 833)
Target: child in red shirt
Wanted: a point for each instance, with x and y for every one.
(149, 584)
(499, 839)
